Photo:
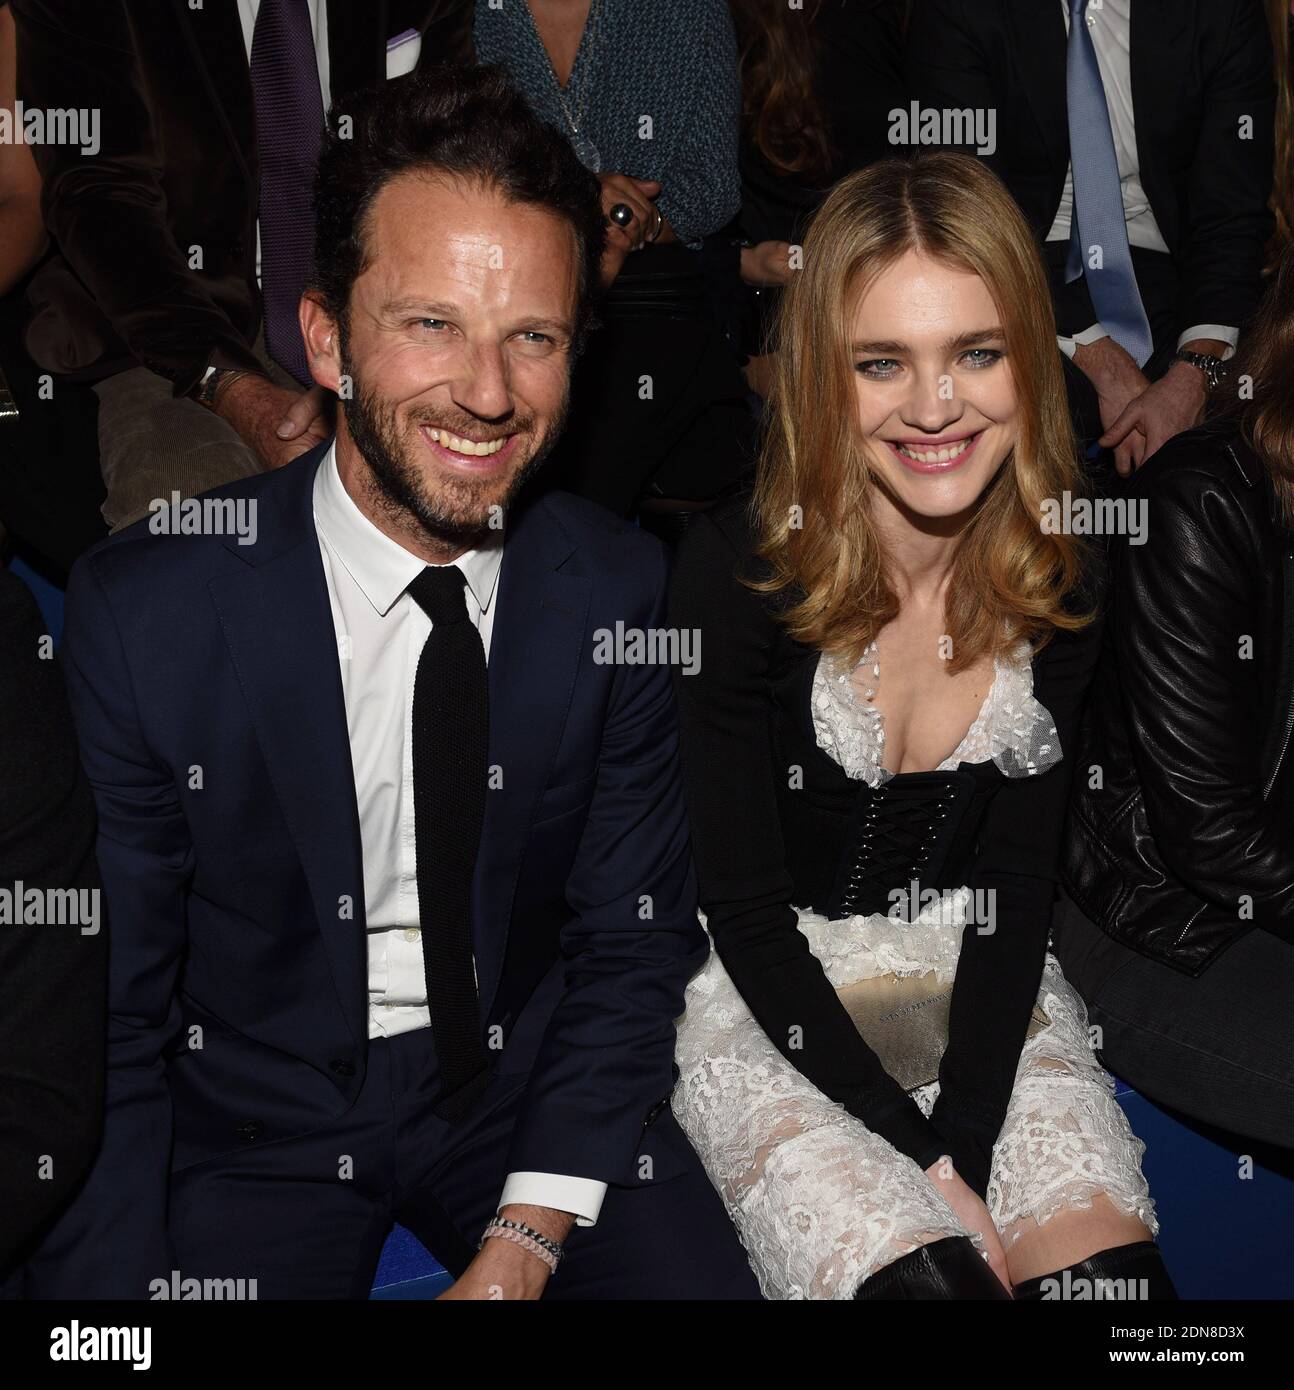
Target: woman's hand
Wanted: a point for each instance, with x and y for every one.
(637, 195)
(766, 263)
(972, 1213)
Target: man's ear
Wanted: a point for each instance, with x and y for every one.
(323, 341)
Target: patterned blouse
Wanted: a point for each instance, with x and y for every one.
(656, 81)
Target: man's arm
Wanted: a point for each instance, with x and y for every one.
(107, 211)
(113, 1240)
(633, 941)
(1227, 220)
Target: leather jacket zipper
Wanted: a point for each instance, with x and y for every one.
(1289, 713)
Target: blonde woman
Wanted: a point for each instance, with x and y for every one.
(877, 746)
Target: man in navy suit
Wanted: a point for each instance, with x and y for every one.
(281, 694)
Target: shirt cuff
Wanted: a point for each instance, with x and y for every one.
(581, 1197)
(1223, 334)
(1088, 335)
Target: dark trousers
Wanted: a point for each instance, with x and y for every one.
(1218, 1048)
(307, 1217)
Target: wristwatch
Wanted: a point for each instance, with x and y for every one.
(213, 379)
(1214, 368)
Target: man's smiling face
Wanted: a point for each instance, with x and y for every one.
(458, 350)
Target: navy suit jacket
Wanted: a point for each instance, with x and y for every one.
(206, 690)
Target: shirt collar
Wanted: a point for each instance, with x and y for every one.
(382, 568)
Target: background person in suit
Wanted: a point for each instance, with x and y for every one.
(401, 935)
(183, 241)
(1172, 104)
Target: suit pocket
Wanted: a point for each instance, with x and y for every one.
(402, 53)
(564, 798)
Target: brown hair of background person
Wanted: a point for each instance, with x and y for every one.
(781, 110)
(1265, 415)
(1280, 16)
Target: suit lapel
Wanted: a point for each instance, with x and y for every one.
(357, 40)
(1155, 54)
(215, 38)
(279, 630)
(539, 633)
(1039, 39)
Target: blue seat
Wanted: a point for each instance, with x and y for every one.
(407, 1271)
(1223, 1235)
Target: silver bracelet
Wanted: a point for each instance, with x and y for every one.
(552, 1246)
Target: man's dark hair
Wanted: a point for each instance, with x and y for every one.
(466, 122)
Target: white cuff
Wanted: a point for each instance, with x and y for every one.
(1088, 335)
(582, 1197)
(1230, 336)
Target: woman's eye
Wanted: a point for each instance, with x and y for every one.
(877, 367)
(981, 357)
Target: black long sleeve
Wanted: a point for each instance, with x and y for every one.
(745, 887)
(998, 972)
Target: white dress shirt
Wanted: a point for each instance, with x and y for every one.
(381, 632)
(1111, 27)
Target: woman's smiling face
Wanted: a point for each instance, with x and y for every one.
(936, 403)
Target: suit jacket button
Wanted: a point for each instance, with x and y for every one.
(342, 1067)
(654, 1111)
(250, 1130)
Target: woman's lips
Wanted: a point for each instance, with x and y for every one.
(451, 448)
(934, 455)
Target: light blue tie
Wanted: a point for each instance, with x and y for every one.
(1098, 220)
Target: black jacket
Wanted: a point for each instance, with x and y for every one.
(178, 169)
(1199, 68)
(1186, 841)
(760, 847)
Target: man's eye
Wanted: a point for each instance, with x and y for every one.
(531, 337)
(430, 324)
(877, 366)
(981, 357)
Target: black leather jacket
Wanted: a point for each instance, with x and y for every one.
(1187, 841)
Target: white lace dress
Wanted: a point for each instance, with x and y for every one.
(820, 1202)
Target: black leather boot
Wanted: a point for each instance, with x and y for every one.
(1138, 1269)
(944, 1269)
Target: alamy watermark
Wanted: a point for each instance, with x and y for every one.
(1100, 516)
(204, 516)
(21, 906)
(648, 646)
(973, 126)
(33, 125)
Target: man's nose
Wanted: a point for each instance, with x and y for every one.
(482, 387)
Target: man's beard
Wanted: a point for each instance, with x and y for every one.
(446, 507)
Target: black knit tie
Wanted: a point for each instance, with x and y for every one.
(450, 742)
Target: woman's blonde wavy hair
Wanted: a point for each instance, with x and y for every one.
(812, 502)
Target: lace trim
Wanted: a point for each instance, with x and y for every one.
(1012, 730)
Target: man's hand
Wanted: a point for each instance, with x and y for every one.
(1165, 408)
(972, 1213)
(256, 408)
(502, 1270)
(766, 263)
(1119, 382)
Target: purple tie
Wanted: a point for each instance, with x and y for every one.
(289, 130)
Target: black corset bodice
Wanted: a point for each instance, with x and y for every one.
(849, 846)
